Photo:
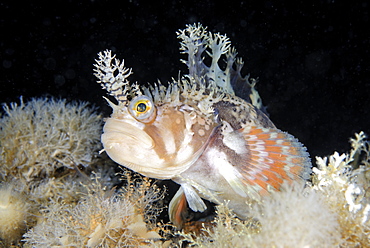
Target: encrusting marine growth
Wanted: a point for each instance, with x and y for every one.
(101, 218)
(42, 135)
(46, 147)
(13, 214)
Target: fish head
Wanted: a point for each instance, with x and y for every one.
(159, 139)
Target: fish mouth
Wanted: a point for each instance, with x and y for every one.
(119, 131)
(127, 144)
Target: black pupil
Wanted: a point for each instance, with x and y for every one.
(141, 107)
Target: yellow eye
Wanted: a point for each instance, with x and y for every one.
(142, 109)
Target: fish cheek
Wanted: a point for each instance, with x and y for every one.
(177, 125)
(167, 133)
(157, 137)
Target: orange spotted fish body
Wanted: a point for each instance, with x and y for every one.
(197, 131)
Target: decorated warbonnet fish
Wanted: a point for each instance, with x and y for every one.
(197, 132)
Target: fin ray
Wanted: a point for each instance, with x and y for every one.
(195, 202)
(273, 157)
(177, 208)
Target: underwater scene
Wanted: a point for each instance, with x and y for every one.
(184, 124)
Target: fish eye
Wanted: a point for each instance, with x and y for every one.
(142, 109)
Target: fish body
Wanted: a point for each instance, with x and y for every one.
(197, 131)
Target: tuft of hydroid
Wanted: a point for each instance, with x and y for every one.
(14, 212)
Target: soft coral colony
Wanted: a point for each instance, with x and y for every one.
(57, 191)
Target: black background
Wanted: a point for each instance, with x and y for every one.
(311, 57)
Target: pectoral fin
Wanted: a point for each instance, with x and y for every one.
(195, 202)
(271, 157)
(177, 208)
(275, 157)
(186, 195)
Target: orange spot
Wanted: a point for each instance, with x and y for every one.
(264, 136)
(274, 180)
(281, 136)
(270, 142)
(255, 131)
(286, 144)
(297, 160)
(277, 156)
(261, 183)
(280, 171)
(296, 170)
(274, 149)
(279, 164)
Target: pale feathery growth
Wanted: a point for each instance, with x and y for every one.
(345, 181)
(296, 217)
(226, 230)
(198, 44)
(14, 214)
(21, 204)
(102, 218)
(47, 148)
(68, 188)
(112, 75)
(42, 135)
(195, 41)
(292, 217)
